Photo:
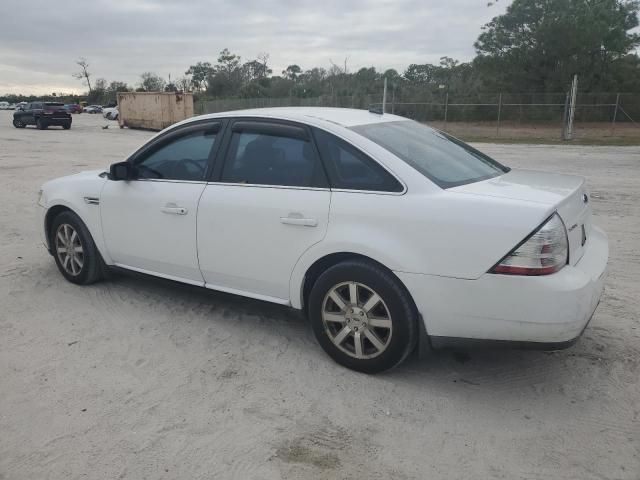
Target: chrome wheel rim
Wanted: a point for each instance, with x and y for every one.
(357, 320)
(69, 249)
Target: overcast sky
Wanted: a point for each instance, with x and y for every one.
(41, 40)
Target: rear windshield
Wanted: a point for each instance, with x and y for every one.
(53, 104)
(445, 160)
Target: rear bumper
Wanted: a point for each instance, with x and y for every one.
(551, 310)
(57, 121)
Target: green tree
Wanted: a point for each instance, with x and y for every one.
(200, 73)
(539, 44)
(292, 72)
(417, 74)
(150, 82)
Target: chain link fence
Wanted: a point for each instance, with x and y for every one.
(599, 117)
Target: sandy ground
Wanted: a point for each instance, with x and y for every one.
(144, 379)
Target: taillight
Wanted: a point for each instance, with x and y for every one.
(545, 251)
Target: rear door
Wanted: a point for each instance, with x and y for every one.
(267, 203)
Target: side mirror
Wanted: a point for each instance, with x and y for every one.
(121, 171)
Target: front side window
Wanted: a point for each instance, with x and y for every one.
(184, 158)
(350, 169)
(445, 160)
(260, 158)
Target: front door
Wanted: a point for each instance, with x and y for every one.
(268, 203)
(149, 223)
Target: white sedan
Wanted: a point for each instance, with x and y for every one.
(110, 113)
(383, 231)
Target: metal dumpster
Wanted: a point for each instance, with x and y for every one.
(153, 110)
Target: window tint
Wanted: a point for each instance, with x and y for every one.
(184, 158)
(445, 160)
(351, 169)
(271, 159)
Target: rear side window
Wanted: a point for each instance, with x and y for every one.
(351, 169)
(445, 160)
(268, 158)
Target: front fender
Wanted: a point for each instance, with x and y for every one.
(81, 194)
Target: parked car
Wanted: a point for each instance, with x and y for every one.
(92, 109)
(42, 115)
(4, 105)
(73, 108)
(383, 231)
(110, 113)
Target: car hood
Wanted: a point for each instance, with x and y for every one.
(528, 185)
(89, 181)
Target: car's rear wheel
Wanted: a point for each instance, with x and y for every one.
(18, 124)
(74, 251)
(66, 126)
(41, 124)
(362, 316)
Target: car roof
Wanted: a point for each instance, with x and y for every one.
(346, 117)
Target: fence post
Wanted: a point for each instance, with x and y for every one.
(384, 96)
(393, 99)
(564, 115)
(615, 112)
(572, 108)
(499, 112)
(446, 109)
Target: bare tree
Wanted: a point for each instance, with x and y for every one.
(84, 73)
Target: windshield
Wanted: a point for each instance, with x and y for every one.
(445, 160)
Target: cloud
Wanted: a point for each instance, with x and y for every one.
(40, 40)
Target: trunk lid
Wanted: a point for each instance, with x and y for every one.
(565, 194)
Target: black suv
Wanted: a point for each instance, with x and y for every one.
(42, 115)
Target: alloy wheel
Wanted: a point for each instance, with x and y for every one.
(357, 320)
(69, 249)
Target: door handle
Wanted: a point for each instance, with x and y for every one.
(305, 222)
(174, 210)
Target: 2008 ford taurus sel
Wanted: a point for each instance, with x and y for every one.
(381, 229)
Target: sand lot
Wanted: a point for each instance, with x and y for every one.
(140, 378)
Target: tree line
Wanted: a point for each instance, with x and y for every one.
(535, 46)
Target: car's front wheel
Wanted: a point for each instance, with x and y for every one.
(41, 124)
(362, 316)
(74, 251)
(18, 124)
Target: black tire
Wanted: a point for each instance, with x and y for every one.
(41, 124)
(92, 264)
(401, 309)
(18, 124)
(66, 126)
